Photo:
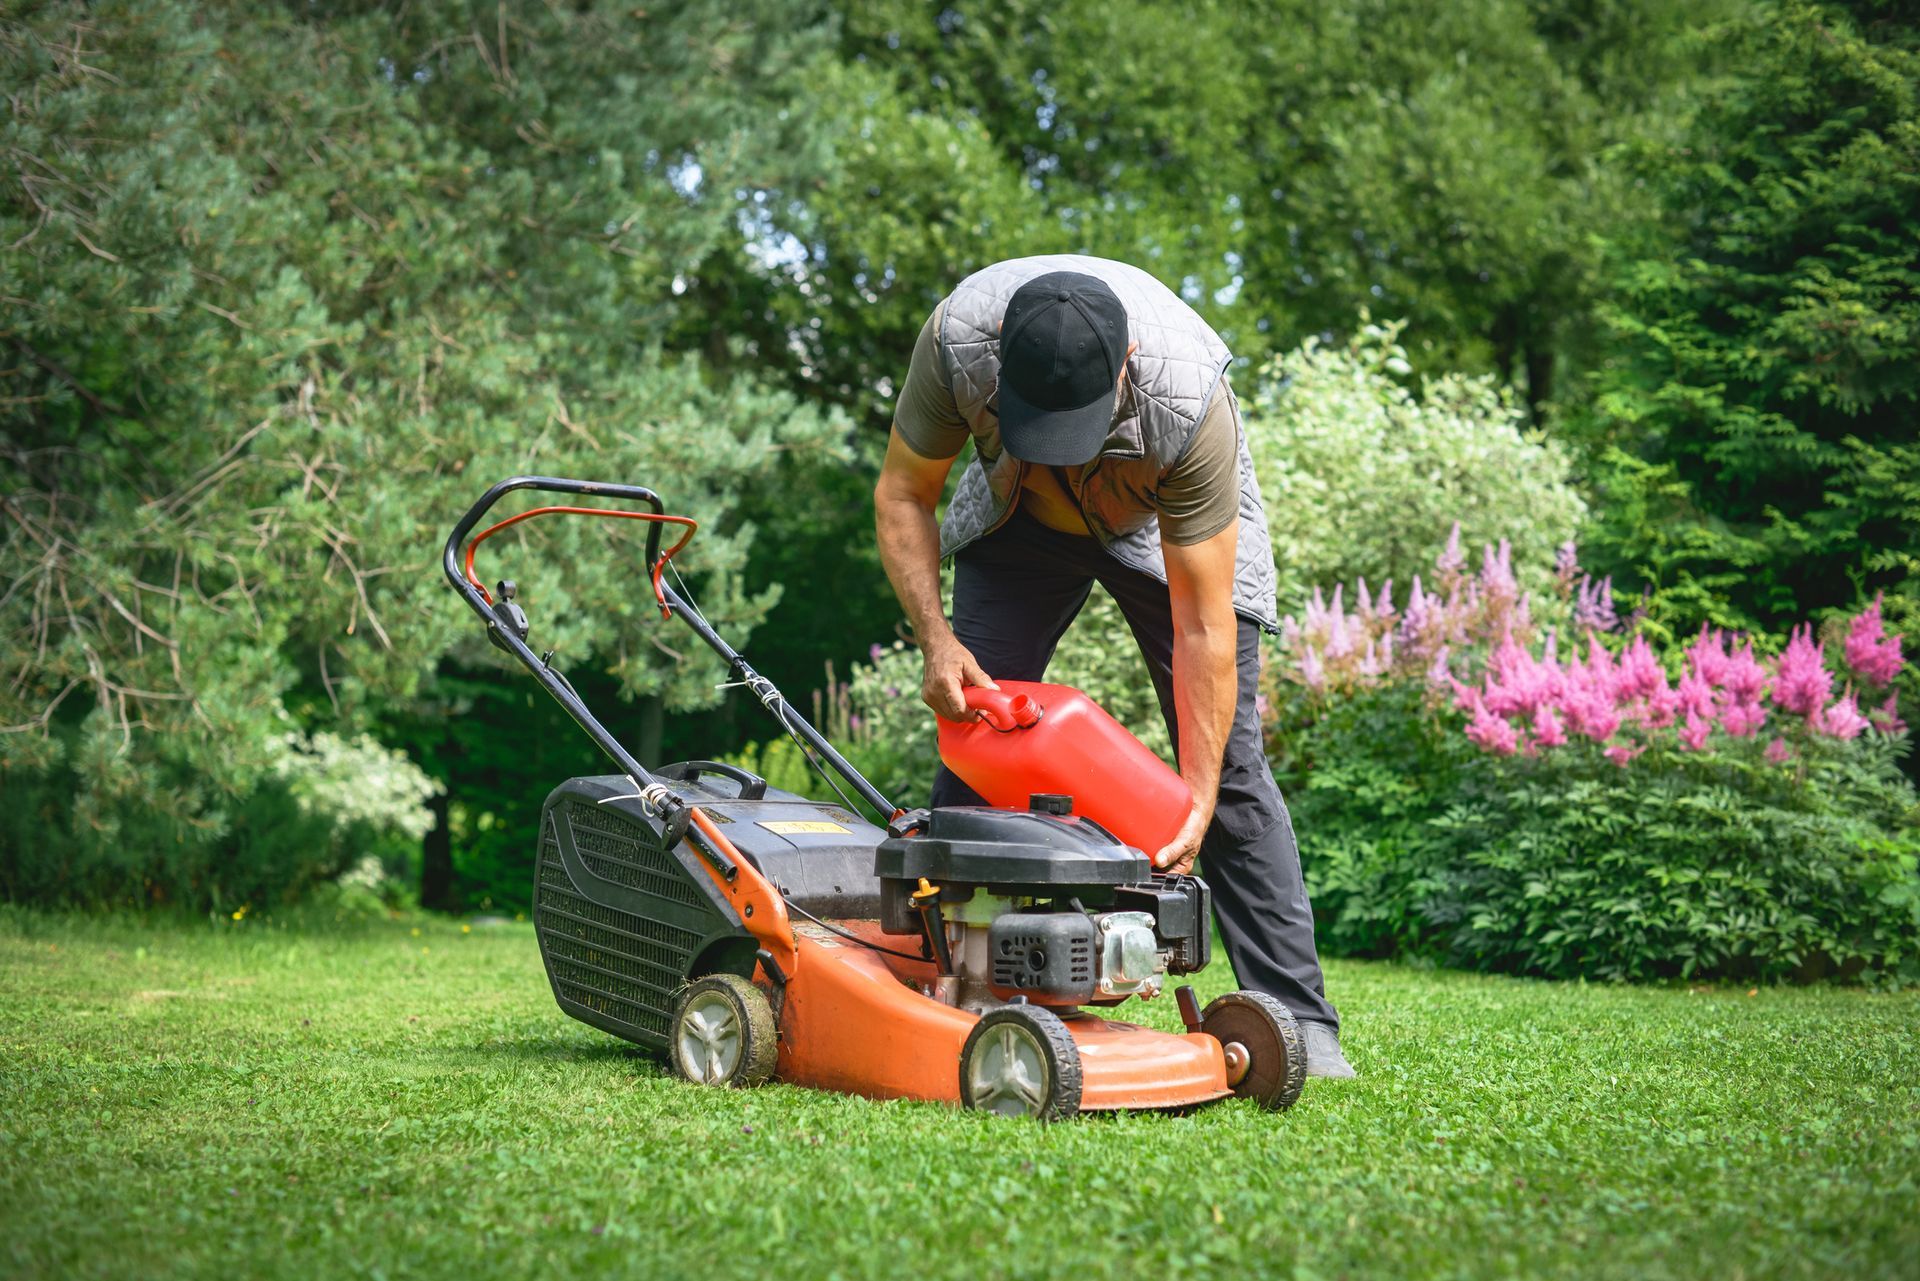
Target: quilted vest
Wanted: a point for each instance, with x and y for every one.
(1171, 378)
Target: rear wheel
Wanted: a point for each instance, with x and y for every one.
(1266, 1053)
(723, 1033)
(1020, 1060)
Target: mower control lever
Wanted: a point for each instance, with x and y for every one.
(509, 615)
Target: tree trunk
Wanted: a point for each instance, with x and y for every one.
(436, 857)
(652, 724)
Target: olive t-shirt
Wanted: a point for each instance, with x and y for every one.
(1197, 499)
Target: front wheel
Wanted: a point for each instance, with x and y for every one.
(1020, 1060)
(1266, 1054)
(723, 1033)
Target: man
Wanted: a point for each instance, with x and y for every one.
(1107, 448)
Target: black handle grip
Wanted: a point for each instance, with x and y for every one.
(752, 786)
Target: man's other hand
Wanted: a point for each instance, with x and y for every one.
(950, 668)
(1177, 855)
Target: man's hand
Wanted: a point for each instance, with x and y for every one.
(1177, 855)
(950, 668)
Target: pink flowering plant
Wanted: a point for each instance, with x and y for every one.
(1533, 784)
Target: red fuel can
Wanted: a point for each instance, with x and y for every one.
(1034, 737)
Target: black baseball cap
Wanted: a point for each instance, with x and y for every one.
(1063, 342)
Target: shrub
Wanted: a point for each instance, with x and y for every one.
(329, 806)
(1360, 474)
(1466, 794)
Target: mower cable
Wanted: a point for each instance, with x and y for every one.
(776, 704)
(847, 934)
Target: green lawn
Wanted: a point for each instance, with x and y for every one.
(402, 1099)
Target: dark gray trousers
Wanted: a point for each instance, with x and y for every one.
(1014, 593)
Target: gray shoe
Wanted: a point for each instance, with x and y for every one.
(1323, 1051)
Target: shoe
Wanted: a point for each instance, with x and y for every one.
(1323, 1051)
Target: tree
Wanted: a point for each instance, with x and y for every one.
(1282, 166)
(273, 333)
(1762, 406)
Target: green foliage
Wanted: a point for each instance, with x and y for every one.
(1764, 393)
(1690, 864)
(1362, 476)
(273, 335)
(328, 806)
(327, 1092)
(1282, 165)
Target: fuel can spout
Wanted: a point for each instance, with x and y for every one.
(1032, 737)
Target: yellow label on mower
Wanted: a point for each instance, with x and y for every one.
(804, 827)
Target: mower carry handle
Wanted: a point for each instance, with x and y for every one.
(750, 786)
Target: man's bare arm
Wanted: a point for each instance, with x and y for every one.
(904, 500)
(1205, 677)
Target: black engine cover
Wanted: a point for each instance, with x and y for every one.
(1013, 849)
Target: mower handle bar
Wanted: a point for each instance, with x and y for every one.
(556, 685)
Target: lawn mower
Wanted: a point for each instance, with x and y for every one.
(965, 954)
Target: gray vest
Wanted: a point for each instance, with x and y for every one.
(1171, 379)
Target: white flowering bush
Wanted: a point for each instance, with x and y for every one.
(357, 781)
(1361, 476)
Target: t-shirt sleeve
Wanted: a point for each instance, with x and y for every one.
(1201, 495)
(926, 415)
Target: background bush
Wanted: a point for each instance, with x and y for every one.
(1363, 470)
(1471, 803)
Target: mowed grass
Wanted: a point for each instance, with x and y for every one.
(401, 1099)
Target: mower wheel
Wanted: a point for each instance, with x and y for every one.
(1020, 1060)
(1266, 1053)
(723, 1033)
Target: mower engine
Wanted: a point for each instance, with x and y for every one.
(1041, 906)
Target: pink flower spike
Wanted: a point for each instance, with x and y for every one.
(1439, 674)
(1546, 727)
(1778, 753)
(1742, 720)
(1886, 717)
(1620, 754)
(1593, 606)
(1842, 720)
(1743, 678)
(1340, 639)
(1452, 560)
(1312, 673)
(1801, 682)
(1492, 732)
(1566, 564)
(1693, 735)
(1869, 650)
(1496, 572)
